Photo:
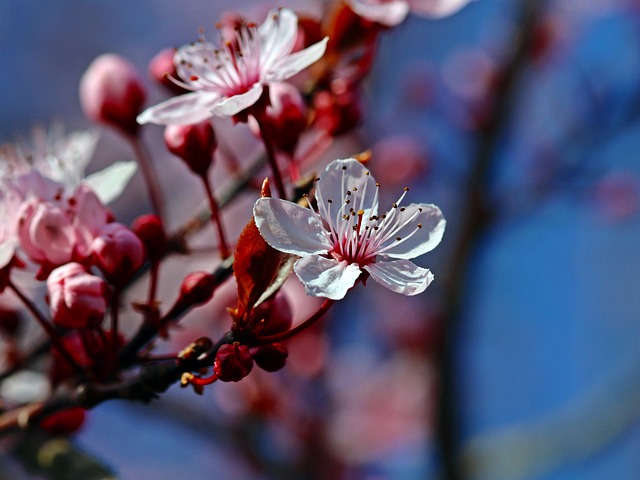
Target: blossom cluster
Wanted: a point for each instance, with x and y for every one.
(293, 84)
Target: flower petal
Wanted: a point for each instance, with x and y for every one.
(289, 65)
(340, 177)
(436, 8)
(290, 228)
(326, 277)
(388, 13)
(185, 109)
(236, 103)
(419, 226)
(400, 276)
(278, 35)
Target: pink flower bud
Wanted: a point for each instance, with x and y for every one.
(76, 298)
(150, 231)
(118, 252)
(194, 144)
(161, 68)
(233, 362)
(285, 117)
(112, 93)
(270, 357)
(337, 111)
(197, 288)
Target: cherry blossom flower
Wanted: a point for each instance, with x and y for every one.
(392, 12)
(224, 81)
(347, 235)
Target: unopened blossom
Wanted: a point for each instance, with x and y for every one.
(347, 236)
(226, 80)
(118, 252)
(392, 12)
(76, 298)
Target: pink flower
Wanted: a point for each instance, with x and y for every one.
(392, 12)
(9, 207)
(346, 235)
(60, 230)
(76, 298)
(224, 81)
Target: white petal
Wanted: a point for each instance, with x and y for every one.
(325, 277)
(109, 183)
(415, 241)
(400, 276)
(289, 65)
(185, 109)
(339, 177)
(193, 58)
(436, 8)
(290, 228)
(388, 13)
(277, 37)
(235, 104)
(7, 249)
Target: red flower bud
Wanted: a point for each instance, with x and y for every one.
(150, 230)
(274, 316)
(194, 144)
(118, 252)
(337, 111)
(197, 288)
(76, 298)
(112, 93)
(271, 357)
(64, 422)
(233, 362)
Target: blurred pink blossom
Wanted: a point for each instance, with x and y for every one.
(225, 81)
(392, 12)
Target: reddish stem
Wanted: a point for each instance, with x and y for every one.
(271, 155)
(149, 174)
(216, 220)
(279, 337)
(115, 304)
(44, 323)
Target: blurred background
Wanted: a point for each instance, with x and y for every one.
(521, 120)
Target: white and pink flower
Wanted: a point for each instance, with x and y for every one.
(225, 81)
(392, 12)
(347, 235)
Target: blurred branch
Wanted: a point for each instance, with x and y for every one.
(475, 219)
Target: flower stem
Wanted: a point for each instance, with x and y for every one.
(113, 347)
(53, 335)
(271, 155)
(279, 337)
(150, 176)
(216, 220)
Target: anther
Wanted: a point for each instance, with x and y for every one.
(398, 238)
(395, 205)
(419, 225)
(193, 78)
(402, 209)
(406, 189)
(344, 167)
(329, 201)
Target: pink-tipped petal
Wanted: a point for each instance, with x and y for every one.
(236, 103)
(400, 276)
(296, 62)
(278, 34)
(384, 12)
(326, 277)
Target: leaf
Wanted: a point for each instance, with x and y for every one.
(109, 183)
(259, 269)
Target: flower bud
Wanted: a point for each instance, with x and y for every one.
(194, 144)
(197, 288)
(77, 299)
(112, 93)
(285, 118)
(118, 252)
(161, 68)
(337, 111)
(274, 316)
(233, 362)
(270, 357)
(150, 230)
(64, 422)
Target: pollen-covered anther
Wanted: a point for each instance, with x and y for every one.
(419, 225)
(398, 238)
